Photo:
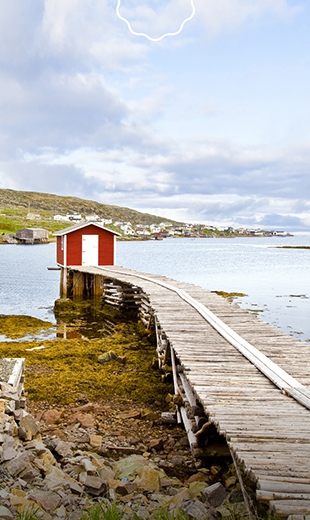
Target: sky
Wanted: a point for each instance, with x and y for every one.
(210, 126)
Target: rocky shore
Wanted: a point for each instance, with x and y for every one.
(61, 461)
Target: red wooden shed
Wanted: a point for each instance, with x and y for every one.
(87, 243)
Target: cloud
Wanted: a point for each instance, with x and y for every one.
(87, 33)
(86, 109)
(231, 14)
(143, 19)
(213, 184)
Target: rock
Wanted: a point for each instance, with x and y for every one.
(196, 488)
(75, 488)
(95, 441)
(88, 408)
(105, 472)
(48, 500)
(64, 449)
(8, 453)
(148, 479)
(130, 415)
(95, 486)
(168, 418)
(83, 471)
(23, 504)
(177, 460)
(129, 467)
(86, 420)
(30, 426)
(48, 458)
(9, 392)
(29, 473)
(125, 488)
(231, 482)
(88, 466)
(18, 464)
(176, 501)
(52, 416)
(56, 479)
(215, 494)
(198, 477)
(37, 447)
(156, 444)
(197, 511)
(106, 357)
(5, 513)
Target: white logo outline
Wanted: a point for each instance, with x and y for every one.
(146, 35)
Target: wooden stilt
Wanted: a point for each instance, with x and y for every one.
(97, 286)
(78, 285)
(63, 282)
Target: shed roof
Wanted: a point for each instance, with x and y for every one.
(81, 225)
(32, 229)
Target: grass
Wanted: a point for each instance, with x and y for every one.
(31, 513)
(16, 204)
(112, 511)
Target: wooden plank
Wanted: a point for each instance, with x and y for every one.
(268, 431)
(284, 508)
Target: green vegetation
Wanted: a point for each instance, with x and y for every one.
(103, 511)
(13, 219)
(213, 232)
(31, 513)
(16, 205)
(107, 511)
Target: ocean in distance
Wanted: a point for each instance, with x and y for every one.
(275, 279)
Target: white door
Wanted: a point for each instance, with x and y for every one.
(90, 250)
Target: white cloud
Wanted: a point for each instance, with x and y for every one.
(168, 19)
(89, 33)
(231, 14)
(87, 109)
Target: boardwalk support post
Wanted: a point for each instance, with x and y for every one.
(78, 285)
(63, 282)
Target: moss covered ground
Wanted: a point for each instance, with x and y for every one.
(60, 371)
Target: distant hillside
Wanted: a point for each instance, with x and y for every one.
(48, 205)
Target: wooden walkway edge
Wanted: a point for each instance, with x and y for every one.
(251, 380)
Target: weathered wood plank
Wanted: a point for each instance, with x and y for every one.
(268, 432)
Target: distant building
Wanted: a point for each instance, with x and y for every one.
(32, 235)
(74, 217)
(92, 218)
(33, 216)
(64, 218)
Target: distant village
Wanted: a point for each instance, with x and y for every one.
(128, 231)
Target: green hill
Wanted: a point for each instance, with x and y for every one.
(16, 205)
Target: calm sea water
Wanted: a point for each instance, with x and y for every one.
(275, 280)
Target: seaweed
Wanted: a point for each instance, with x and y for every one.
(17, 326)
(230, 296)
(59, 370)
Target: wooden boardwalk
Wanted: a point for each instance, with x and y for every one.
(267, 430)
